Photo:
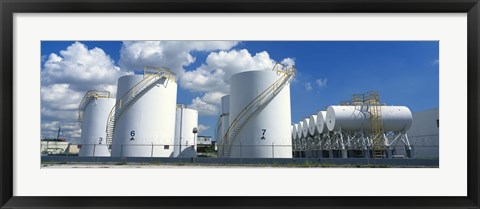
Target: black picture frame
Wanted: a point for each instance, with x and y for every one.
(9, 7)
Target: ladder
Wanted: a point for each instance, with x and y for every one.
(263, 98)
(150, 77)
(373, 101)
(89, 96)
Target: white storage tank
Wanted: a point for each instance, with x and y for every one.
(186, 120)
(267, 132)
(291, 131)
(94, 120)
(299, 130)
(312, 128)
(218, 129)
(294, 132)
(321, 124)
(147, 127)
(351, 118)
(306, 127)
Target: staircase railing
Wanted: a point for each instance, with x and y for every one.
(258, 102)
(150, 77)
(91, 94)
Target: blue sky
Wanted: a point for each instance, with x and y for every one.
(405, 72)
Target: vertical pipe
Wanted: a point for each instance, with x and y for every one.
(273, 150)
(151, 152)
(121, 150)
(180, 137)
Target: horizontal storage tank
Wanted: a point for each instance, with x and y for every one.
(299, 130)
(291, 131)
(351, 118)
(321, 123)
(306, 127)
(186, 120)
(267, 132)
(295, 128)
(312, 128)
(146, 128)
(94, 120)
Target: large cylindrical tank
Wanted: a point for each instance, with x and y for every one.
(267, 133)
(312, 128)
(306, 127)
(218, 129)
(225, 102)
(321, 124)
(186, 120)
(299, 130)
(146, 127)
(353, 118)
(94, 122)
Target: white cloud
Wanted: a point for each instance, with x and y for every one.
(175, 55)
(308, 86)
(66, 77)
(202, 128)
(203, 107)
(208, 104)
(60, 97)
(213, 76)
(81, 68)
(203, 79)
(321, 82)
(213, 97)
(289, 62)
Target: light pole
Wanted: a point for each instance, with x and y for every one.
(195, 130)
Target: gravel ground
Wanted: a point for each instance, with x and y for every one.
(85, 165)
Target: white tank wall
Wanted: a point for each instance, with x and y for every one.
(291, 131)
(151, 117)
(295, 128)
(321, 123)
(225, 101)
(185, 142)
(218, 129)
(312, 128)
(350, 118)
(299, 130)
(93, 127)
(306, 127)
(275, 117)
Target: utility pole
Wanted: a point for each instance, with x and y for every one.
(58, 134)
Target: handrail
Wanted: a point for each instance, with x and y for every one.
(87, 98)
(278, 84)
(140, 86)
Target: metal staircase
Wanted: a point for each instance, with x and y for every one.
(263, 98)
(150, 77)
(89, 96)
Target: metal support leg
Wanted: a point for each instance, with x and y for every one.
(389, 152)
(344, 153)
